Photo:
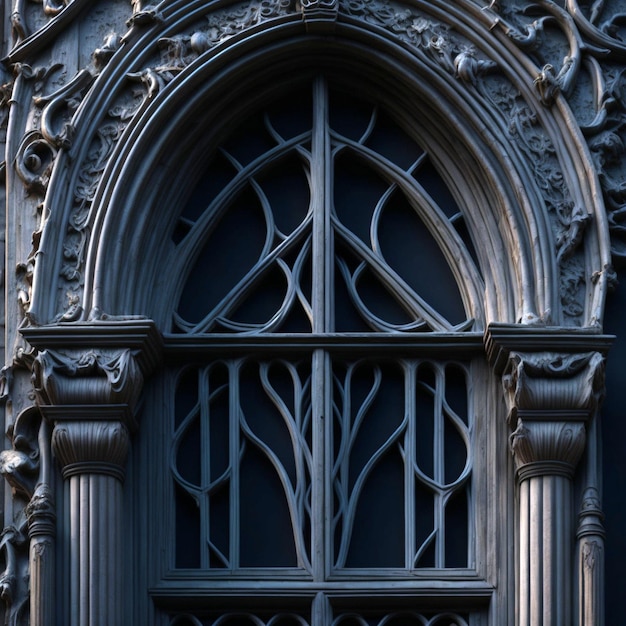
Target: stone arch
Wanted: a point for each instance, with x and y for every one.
(515, 163)
(503, 139)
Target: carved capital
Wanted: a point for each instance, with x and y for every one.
(87, 377)
(549, 385)
(547, 448)
(91, 447)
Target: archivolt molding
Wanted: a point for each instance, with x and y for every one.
(500, 59)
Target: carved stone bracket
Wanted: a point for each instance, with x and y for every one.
(550, 397)
(319, 14)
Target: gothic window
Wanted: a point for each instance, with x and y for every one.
(320, 435)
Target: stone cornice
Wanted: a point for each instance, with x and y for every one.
(502, 339)
(139, 335)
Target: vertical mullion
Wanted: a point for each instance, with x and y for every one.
(320, 388)
(409, 463)
(205, 456)
(233, 438)
(439, 461)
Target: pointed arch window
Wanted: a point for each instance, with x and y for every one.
(322, 422)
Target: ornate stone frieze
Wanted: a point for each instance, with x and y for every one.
(580, 53)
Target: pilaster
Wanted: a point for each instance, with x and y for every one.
(88, 379)
(552, 395)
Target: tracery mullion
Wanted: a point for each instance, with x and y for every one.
(205, 466)
(409, 455)
(439, 467)
(234, 454)
(321, 289)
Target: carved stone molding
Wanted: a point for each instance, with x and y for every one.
(91, 447)
(540, 385)
(542, 448)
(93, 377)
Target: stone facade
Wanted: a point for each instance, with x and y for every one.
(108, 111)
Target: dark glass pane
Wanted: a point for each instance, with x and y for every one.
(286, 187)
(265, 527)
(232, 249)
(357, 190)
(251, 140)
(188, 548)
(219, 172)
(456, 530)
(430, 179)
(390, 141)
(291, 116)
(425, 542)
(186, 395)
(411, 250)
(349, 116)
(425, 409)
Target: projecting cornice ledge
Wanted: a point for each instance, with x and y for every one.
(93, 370)
(503, 339)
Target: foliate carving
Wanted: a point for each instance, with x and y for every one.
(14, 578)
(573, 43)
(40, 512)
(103, 377)
(92, 447)
(546, 382)
(62, 103)
(547, 447)
(551, 397)
(34, 160)
(21, 465)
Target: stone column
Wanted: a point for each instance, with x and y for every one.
(88, 395)
(551, 397)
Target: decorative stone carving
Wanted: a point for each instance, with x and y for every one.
(54, 105)
(318, 12)
(590, 536)
(545, 384)
(34, 161)
(93, 447)
(551, 397)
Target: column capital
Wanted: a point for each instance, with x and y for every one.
(552, 386)
(93, 370)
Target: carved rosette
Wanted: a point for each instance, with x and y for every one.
(550, 398)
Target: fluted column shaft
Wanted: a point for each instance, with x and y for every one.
(545, 522)
(92, 455)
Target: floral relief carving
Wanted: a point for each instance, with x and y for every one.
(591, 50)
